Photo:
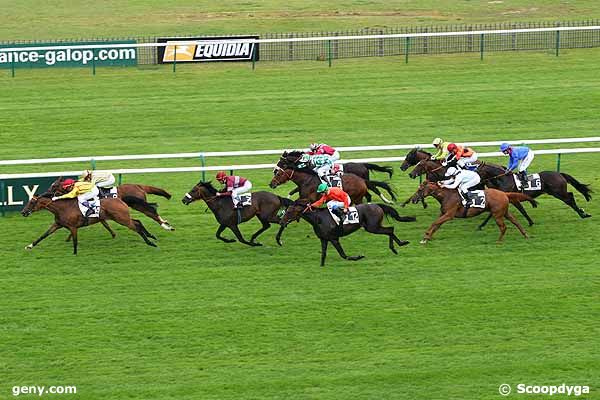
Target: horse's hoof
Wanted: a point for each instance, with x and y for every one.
(586, 216)
(166, 226)
(256, 244)
(423, 241)
(394, 251)
(29, 246)
(355, 258)
(403, 243)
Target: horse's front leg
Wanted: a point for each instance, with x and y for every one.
(53, 228)
(437, 223)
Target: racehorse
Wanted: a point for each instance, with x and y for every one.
(265, 206)
(435, 172)
(67, 215)
(370, 217)
(552, 183)
(496, 203)
(413, 157)
(356, 187)
(129, 191)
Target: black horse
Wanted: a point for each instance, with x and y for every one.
(552, 183)
(370, 217)
(291, 160)
(265, 206)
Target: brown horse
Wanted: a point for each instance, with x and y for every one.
(265, 206)
(67, 215)
(129, 191)
(496, 203)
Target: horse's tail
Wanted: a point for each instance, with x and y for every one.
(374, 185)
(581, 188)
(379, 168)
(285, 201)
(387, 210)
(516, 198)
(140, 205)
(155, 190)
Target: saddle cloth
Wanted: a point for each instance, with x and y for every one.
(533, 182)
(94, 204)
(245, 200)
(351, 217)
(476, 199)
(335, 181)
(108, 193)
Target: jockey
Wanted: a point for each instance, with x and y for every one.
(320, 163)
(463, 179)
(322, 148)
(520, 156)
(234, 186)
(337, 200)
(441, 147)
(462, 155)
(102, 179)
(84, 191)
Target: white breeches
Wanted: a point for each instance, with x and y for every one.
(110, 182)
(466, 185)
(334, 204)
(89, 195)
(235, 193)
(335, 156)
(467, 160)
(323, 170)
(526, 161)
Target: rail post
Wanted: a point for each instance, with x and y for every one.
(406, 48)
(2, 198)
(481, 47)
(254, 57)
(329, 52)
(12, 67)
(557, 42)
(174, 58)
(230, 172)
(558, 162)
(93, 61)
(93, 164)
(203, 162)
(120, 179)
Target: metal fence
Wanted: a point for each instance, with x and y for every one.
(381, 47)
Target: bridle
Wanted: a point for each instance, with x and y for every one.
(289, 176)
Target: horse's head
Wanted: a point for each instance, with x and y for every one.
(427, 166)
(56, 188)
(410, 159)
(36, 203)
(203, 190)
(280, 176)
(425, 189)
(294, 211)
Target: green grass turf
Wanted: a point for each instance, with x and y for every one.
(30, 19)
(198, 318)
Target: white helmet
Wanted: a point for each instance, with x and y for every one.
(451, 171)
(86, 173)
(437, 141)
(314, 146)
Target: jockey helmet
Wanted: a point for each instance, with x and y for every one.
(437, 141)
(67, 183)
(451, 171)
(452, 147)
(221, 175)
(314, 146)
(322, 188)
(86, 174)
(504, 147)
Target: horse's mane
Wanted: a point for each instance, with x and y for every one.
(421, 151)
(294, 153)
(208, 185)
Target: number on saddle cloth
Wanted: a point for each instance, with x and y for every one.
(244, 200)
(533, 182)
(105, 193)
(476, 199)
(335, 181)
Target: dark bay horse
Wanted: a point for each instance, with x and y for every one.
(265, 206)
(130, 191)
(370, 216)
(67, 215)
(354, 185)
(497, 203)
(552, 183)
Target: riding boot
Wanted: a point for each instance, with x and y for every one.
(340, 228)
(467, 205)
(523, 179)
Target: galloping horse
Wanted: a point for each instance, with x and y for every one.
(552, 183)
(370, 217)
(129, 191)
(496, 203)
(307, 181)
(67, 215)
(265, 206)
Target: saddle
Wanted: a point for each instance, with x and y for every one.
(93, 205)
(244, 200)
(351, 218)
(533, 183)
